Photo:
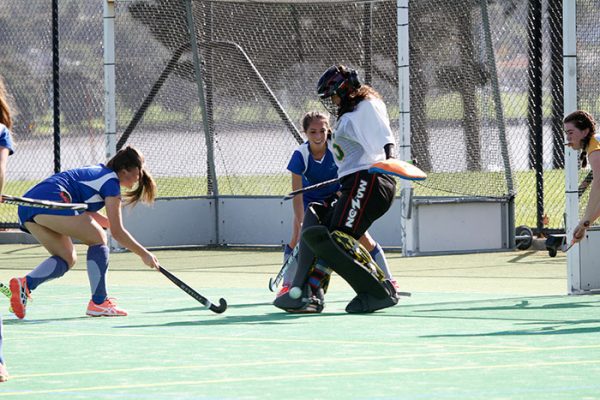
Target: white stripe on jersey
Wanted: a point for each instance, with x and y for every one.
(97, 183)
(94, 199)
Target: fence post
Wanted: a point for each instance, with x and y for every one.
(208, 134)
(535, 109)
(56, 85)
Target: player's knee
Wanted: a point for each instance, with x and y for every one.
(96, 237)
(70, 258)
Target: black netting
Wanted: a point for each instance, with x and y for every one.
(260, 64)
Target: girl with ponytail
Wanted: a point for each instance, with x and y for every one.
(99, 186)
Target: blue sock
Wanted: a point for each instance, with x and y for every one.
(97, 265)
(51, 268)
(1, 356)
(379, 257)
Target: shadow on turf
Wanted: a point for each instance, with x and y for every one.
(522, 305)
(229, 306)
(547, 326)
(14, 321)
(172, 310)
(546, 330)
(267, 319)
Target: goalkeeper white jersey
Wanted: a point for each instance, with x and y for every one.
(360, 136)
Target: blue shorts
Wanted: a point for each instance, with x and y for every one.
(44, 191)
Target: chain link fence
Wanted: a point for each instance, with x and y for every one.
(260, 64)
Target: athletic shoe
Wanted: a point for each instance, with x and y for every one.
(19, 296)
(107, 309)
(395, 285)
(284, 289)
(3, 373)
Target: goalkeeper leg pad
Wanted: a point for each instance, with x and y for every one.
(354, 264)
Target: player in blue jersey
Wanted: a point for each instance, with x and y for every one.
(98, 186)
(311, 163)
(6, 149)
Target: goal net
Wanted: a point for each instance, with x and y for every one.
(260, 61)
(259, 64)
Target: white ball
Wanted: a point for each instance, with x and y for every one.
(295, 292)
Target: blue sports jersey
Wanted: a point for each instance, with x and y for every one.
(313, 172)
(90, 185)
(6, 139)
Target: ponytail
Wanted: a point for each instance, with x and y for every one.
(145, 191)
(129, 158)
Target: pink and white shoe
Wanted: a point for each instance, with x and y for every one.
(19, 296)
(107, 309)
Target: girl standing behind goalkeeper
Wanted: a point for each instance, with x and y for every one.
(97, 186)
(311, 163)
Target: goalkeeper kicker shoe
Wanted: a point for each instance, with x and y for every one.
(107, 309)
(307, 303)
(367, 303)
(19, 296)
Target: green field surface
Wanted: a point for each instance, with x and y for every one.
(493, 326)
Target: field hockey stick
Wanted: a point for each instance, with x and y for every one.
(26, 201)
(319, 185)
(205, 302)
(391, 166)
(567, 248)
(274, 282)
(5, 290)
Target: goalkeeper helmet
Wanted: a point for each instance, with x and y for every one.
(337, 80)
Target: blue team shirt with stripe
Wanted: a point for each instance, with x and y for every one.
(313, 172)
(90, 185)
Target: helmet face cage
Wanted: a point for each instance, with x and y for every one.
(329, 105)
(330, 82)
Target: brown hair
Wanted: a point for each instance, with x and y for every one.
(129, 158)
(357, 93)
(5, 111)
(310, 116)
(583, 120)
